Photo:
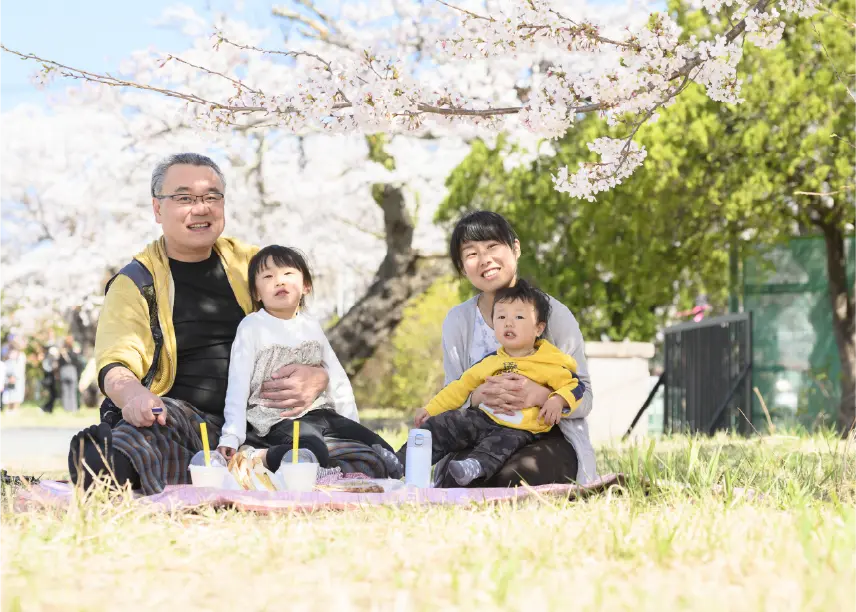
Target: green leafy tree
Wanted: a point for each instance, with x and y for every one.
(799, 144)
(719, 180)
(407, 371)
(623, 262)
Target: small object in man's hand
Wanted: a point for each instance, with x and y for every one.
(157, 410)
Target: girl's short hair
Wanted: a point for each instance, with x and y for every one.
(281, 256)
(479, 226)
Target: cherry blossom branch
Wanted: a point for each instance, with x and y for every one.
(111, 81)
(323, 31)
(239, 84)
(365, 90)
(311, 6)
(464, 11)
(422, 107)
(223, 39)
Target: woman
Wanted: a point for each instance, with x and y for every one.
(16, 378)
(484, 248)
(69, 360)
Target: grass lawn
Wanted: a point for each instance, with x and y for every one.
(696, 541)
(30, 415)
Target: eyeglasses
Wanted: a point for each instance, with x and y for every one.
(186, 199)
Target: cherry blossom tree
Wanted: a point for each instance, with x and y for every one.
(76, 209)
(339, 141)
(370, 87)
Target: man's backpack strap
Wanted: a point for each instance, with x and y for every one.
(145, 283)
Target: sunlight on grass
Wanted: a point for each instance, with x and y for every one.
(695, 541)
(30, 415)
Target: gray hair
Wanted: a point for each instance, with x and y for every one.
(189, 159)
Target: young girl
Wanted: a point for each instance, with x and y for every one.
(277, 335)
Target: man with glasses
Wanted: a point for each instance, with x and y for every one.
(201, 290)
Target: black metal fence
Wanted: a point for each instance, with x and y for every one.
(708, 376)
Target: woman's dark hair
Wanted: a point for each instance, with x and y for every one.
(528, 293)
(281, 256)
(478, 226)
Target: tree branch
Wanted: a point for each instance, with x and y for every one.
(831, 63)
(223, 39)
(324, 34)
(106, 79)
(284, 13)
(826, 193)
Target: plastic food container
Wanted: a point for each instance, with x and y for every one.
(213, 477)
(298, 476)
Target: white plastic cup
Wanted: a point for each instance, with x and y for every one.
(212, 477)
(298, 476)
(417, 469)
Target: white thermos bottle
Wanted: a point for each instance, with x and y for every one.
(417, 471)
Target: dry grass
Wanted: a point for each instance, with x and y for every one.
(694, 543)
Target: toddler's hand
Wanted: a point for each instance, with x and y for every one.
(551, 411)
(226, 451)
(421, 416)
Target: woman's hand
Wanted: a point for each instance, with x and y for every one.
(293, 388)
(143, 409)
(510, 393)
(226, 451)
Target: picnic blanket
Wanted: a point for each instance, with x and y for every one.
(57, 494)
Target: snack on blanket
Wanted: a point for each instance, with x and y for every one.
(240, 466)
(243, 466)
(264, 476)
(352, 486)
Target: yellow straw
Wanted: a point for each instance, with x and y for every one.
(203, 431)
(296, 438)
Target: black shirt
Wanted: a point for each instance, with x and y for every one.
(205, 315)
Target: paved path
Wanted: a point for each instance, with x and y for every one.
(35, 447)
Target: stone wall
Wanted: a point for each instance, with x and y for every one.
(621, 383)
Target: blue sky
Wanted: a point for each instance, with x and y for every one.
(91, 34)
(97, 35)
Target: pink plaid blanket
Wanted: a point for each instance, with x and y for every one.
(56, 494)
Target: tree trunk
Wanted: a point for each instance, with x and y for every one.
(403, 274)
(842, 302)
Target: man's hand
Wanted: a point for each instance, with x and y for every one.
(551, 412)
(293, 388)
(143, 409)
(421, 416)
(226, 451)
(510, 393)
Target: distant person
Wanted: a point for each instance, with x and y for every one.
(50, 377)
(69, 375)
(16, 376)
(87, 386)
(2, 382)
